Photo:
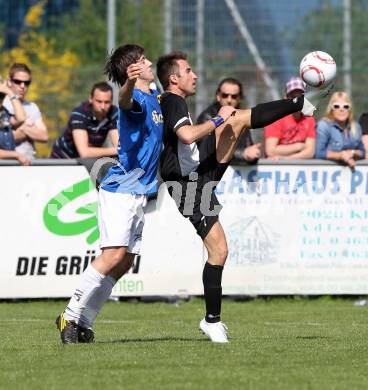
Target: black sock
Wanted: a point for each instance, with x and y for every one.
(212, 275)
(266, 113)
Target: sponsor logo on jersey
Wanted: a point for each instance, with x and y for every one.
(157, 117)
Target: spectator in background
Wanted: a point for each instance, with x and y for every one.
(339, 136)
(7, 122)
(294, 136)
(230, 93)
(363, 121)
(88, 127)
(33, 129)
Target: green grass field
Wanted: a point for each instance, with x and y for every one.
(276, 344)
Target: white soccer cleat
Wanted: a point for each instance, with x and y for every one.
(312, 99)
(216, 332)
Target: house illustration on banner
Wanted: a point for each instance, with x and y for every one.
(252, 242)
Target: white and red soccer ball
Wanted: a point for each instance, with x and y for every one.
(318, 69)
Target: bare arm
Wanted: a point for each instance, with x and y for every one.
(19, 113)
(37, 131)
(19, 135)
(11, 154)
(80, 138)
(191, 133)
(345, 156)
(114, 137)
(358, 154)
(272, 148)
(307, 153)
(126, 91)
(252, 153)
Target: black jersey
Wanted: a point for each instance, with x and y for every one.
(177, 159)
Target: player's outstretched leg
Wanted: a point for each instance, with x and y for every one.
(228, 134)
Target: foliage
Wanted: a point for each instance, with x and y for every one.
(33, 19)
(64, 69)
(137, 22)
(51, 72)
(142, 23)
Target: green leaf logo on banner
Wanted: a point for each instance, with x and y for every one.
(61, 228)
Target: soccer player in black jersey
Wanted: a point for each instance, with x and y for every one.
(195, 158)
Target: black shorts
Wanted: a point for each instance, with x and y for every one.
(194, 194)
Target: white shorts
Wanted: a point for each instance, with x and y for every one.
(121, 220)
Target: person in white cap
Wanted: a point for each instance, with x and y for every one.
(294, 136)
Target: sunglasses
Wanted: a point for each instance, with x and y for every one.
(226, 95)
(19, 82)
(338, 106)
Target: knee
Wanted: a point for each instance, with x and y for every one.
(223, 254)
(220, 254)
(114, 258)
(235, 125)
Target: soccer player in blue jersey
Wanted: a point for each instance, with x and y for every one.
(122, 193)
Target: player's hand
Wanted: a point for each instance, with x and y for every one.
(226, 111)
(252, 152)
(134, 71)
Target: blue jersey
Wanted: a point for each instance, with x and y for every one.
(140, 143)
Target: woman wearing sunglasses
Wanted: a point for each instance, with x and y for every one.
(339, 136)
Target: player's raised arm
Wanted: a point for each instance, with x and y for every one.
(126, 91)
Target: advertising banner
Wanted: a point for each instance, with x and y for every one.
(49, 234)
(291, 229)
(295, 229)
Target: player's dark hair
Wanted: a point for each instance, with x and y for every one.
(119, 60)
(168, 65)
(101, 86)
(230, 80)
(18, 67)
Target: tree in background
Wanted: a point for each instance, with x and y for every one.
(51, 70)
(68, 57)
(138, 21)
